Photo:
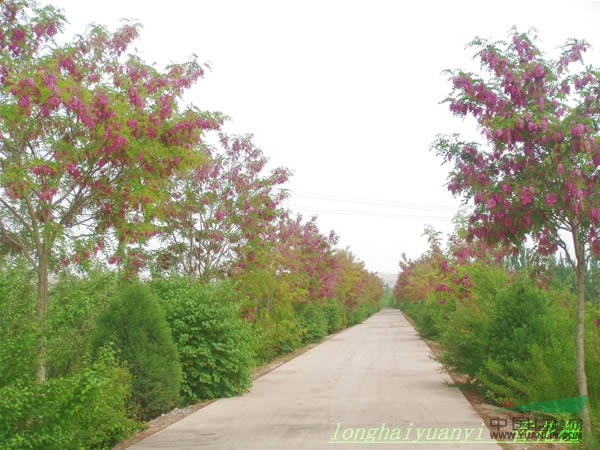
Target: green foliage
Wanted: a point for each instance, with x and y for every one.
(333, 314)
(519, 325)
(546, 368)
(70, 196)
(343, 317)
(18, 324)
(516, 321)
(84, 410)
(424, 313)
(287, 329)
(135, 324)
(515, 340)
(563, 275)
(311, 320)
(360, 313)
(462, 333)
(462, 348)
(74, 305)
(215, 343)
(287, 336)
(388, 300)
(356, 316)
(274, 338)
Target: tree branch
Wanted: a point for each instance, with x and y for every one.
(18, 216)
(16, 241)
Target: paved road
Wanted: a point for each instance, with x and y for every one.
(373, 381)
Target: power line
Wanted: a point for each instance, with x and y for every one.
(343, 212)
(418, 206)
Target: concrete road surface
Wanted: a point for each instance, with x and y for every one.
(372, 382)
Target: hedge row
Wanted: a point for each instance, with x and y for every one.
(513, 340)
(122, 352)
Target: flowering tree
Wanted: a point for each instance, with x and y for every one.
(299, 264)
(295, 263)
(354, 285)
(306, 256)
(537, 176)
(221, 210)
(435, 273)
(88, 139)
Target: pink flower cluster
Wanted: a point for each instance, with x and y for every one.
(47, 195)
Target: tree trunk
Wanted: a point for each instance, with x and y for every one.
(581, 376)
(42, 271)
(191, 256)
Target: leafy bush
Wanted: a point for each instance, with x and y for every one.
(361, 313)
(462, 350)
(19, 335)
(73, 308)
(215, 343)
(592, 363)
(356, 316)
(311, 321)
(343, 317)
(85, 410)
(263, 342)
(516, 321)
(463, 333)
(426, 314)
(274, 338)
(516, 341)
(135, 324)
(333, 314)
(544, 367)
(288, 337)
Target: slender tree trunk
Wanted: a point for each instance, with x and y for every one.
(269, 300)
(581, 376)
(191, 256)
(42, 271)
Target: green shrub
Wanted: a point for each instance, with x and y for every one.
(333, 314)
(19, 337)
(463, 334)
(462, 349)
(343, 317)
(311, 321)
(135, 324)
(356, 316)
(531, 344)
(592, 363)
(361, 312)
(288, 336)
(274, 338)
(263, 341)
(388, 300)
(215, 343)
(516, 321)
(73, 308)
(518, 341)
(427, 313)
(514, 340)
(544, 368)
(85, 410)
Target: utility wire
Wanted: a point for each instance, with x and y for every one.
(390, 215)
(375, 202)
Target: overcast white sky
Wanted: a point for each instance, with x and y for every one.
(344, 93)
